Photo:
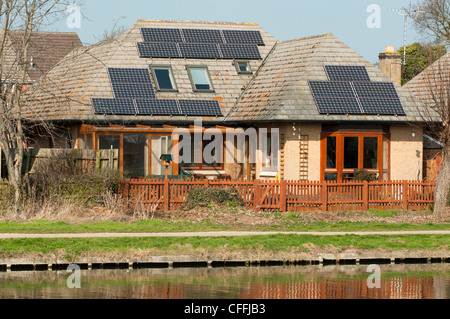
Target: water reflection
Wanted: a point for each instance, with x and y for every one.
(310, 282)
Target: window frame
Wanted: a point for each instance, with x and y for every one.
(202, 166)
(239, 71)
(340, 171)
(171, 76)
(194, 87)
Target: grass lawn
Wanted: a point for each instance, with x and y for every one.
(161, 225)
(271, 244)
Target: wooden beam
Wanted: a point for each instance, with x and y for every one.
(143, 126)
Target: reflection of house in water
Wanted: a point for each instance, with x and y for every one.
(324, 288)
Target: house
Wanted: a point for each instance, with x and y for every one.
(431, 87)
(45, 50)
(323, 110)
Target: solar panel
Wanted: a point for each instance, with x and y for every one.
(199, 50)
(128, 75)
(347, 73)
(133, 91)
(240, 51)
(161, 35)
(382, 106)
(157, 107)
(331, 89)
(113, 106)
(243, 37)
(338, 105)
(375, 89)
(202, 36)
(200, 108)
(158, 50)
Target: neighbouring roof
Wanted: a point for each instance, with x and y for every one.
(280, 90)
(431, 143)
(46, 49)
(66, 92)
(432, 84)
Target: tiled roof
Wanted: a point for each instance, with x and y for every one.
(46, 49)
(65, 94)
(431, 85)
(280, 90)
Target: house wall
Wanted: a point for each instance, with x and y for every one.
(296, 163)
(406, 153)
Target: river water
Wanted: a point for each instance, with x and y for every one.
(430, 281)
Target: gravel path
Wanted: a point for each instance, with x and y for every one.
(216, 234)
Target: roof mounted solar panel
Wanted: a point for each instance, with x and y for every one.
(338, 105)
(202, 36)
(158, 50)
(129, 75)
(199, 50)
(161, 35)
(331, 89)
(243, 37)
(382, 106)
(157, 107)
(375, 89)
(200, 108)
(240, 51)
(347, 73)
(113, 106)
(133, 91)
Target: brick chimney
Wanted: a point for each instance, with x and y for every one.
(391, 64)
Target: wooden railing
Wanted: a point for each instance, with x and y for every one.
(288, 195)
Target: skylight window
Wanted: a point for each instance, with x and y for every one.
(200, 79)
(164, 78)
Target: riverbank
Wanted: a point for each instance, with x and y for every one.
(223, 234)
(287, 247)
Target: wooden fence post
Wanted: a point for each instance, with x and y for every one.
(365, 195)
(405, 195)
(166, 194)
(283, 195)
(324, 196)
(256, 196)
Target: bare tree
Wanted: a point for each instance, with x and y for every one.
(21, 18)
(433, 88)
(432, 17)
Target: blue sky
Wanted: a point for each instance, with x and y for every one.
(284, 19)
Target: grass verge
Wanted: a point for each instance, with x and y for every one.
(159, 225)
(273, 244)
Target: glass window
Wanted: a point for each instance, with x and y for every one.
(135, 155)
(161, 145)
(107, 142)
(371, 152)
(200, 79)
(243, 67)
(164, 78)
(331, 152)
(351, 152)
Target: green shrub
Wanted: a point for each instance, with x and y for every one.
(62, 176)
(206, 196)
(363, 175)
